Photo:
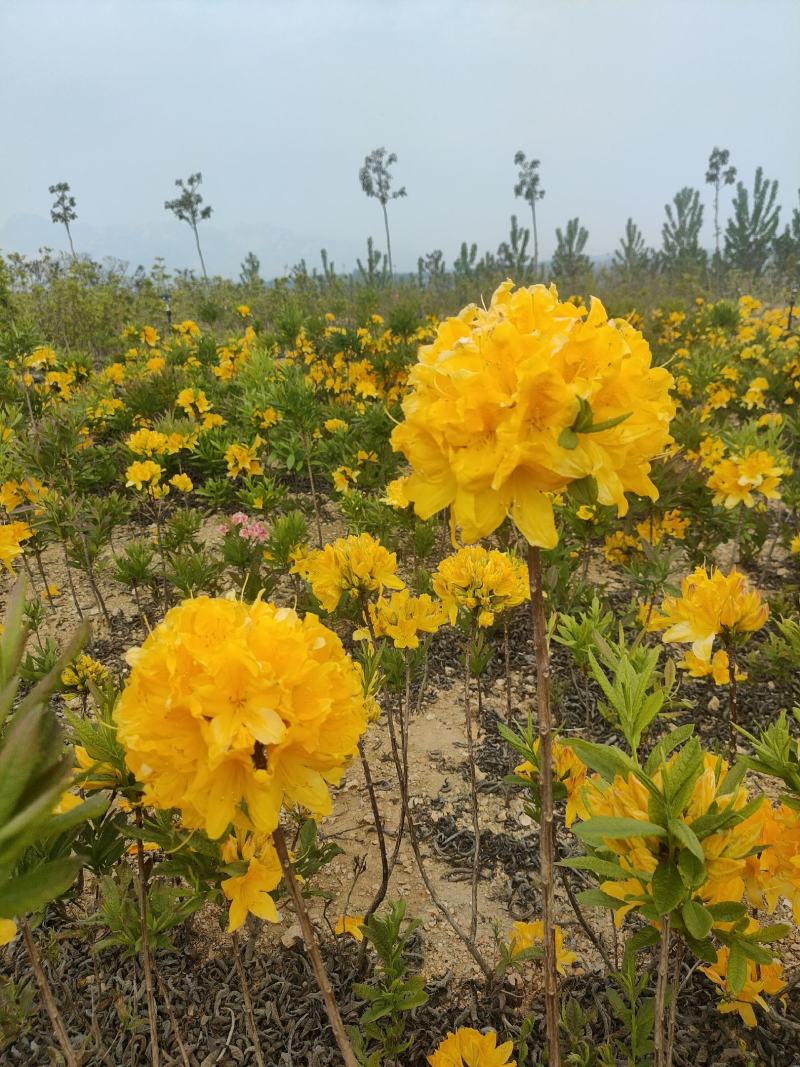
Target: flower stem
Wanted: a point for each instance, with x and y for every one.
(248, 1000)
(662, 983)
(546, 825)
(147, 959)
(733, 704)
(473, 789)
(342, 1040)
(673, 1004)
(47, 996)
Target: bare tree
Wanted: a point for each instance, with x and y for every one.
(63, 209)
(719, 173)
(528, 187)
(376, 181)
(187, 208)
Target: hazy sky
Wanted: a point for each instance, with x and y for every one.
(278, 102)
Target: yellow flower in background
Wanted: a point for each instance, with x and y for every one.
(344, 478)
(233, 710)
(12, 534)
(470, 1048)
(618, 547)
(395, 495)
(143, 473)
(794, 544)
(668, 524)
(8, 931)
(734, 480)
(334, 425)
(521, 400)
(83, 672)
(350, 924)
(181, 482)
(243, 310)
(358, 566)
(710, 604)
(243, 459)
(568, 771)
(761, 978)
(718, 667)
(149, 336)
(530, 935)
(249, 893)
(147, 442)
(10, 496)
(483, 582)
(403, 617)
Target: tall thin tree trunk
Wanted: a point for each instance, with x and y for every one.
(46, 992)
(546, 825)
(388, 240)
(535, 240)
(69, 238)
(200, 252)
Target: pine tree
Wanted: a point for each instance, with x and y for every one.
(63, 209)
(376, 181)
(786, 248)
(750, 232)
(512, 255)
(680, 234)
(529, 188)
(249, 272)
(570, 264)
(719, 173)
(186, 207)
(464, 266)
(632, 257)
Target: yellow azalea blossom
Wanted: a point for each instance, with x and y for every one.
(395, 495)
(334, 425)
(143, 473)
(350, 924)
(358, 566)
(568, 770)
(402, 618)
(619, 547)
(66, 803)
(83, 672)
(718, 667)
(93, 774)
(233, 710)
(500, 407)
(243, 459)
(344, 478)
(710, 604)
(779, 873)
(147, 442)
(149, 336)
(12, 534)
(667, 524)
(243, 310)
(482, 582)
(249, 893)
(794, 545)
(530, 935)
(735, 480)
(470, 1048)
(8, 931)
(10, 496)
(761, 978)
(181, 482)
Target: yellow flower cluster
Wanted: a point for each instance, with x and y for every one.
(249, 893)
(761, 978)
(530, 935)
(519, 401)
(84, 672)
(710, 604)
(243, 459)
(568, 771)
(233, 710)
(402, 617)
(12, 534)
(735, 480)
(356, 566)
(481, 582)
(470, 1048)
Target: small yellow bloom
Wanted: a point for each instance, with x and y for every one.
(181, 482)
(470, 1048)
(350, 924)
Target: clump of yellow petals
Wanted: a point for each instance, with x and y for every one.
(482, 582)
(83, 673)
(243, 459)
(501, 405)
(232, 710)
(249, 893)
(402, 617)
(726, 852)
(470, 1048)
(710, 604)
(358, 566)
(668, 524)
(761, 978)
(12, 534)
(568, 771)
(530, 935)
(735, 480)
(8, 931)
(350, 924)
(143, 474)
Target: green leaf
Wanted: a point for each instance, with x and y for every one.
(727, 911)
(668, 887)
(604, 868)
(737, 968)
(687, 837)
(30, 892)
(693, 870)
(92, 808)
(596, 898)
(596, 829)
(606, 760)
(775, 932)
(697, 919)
